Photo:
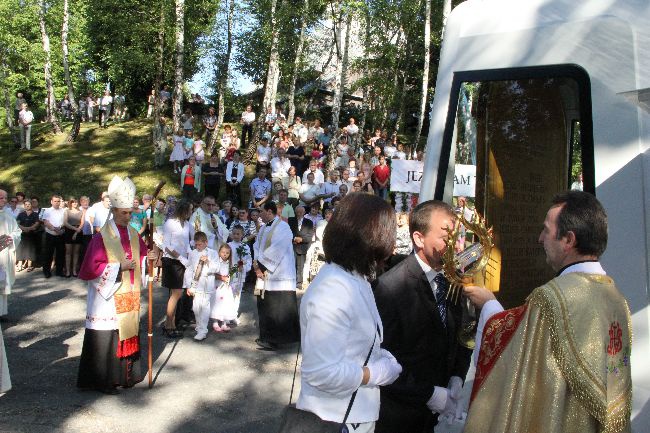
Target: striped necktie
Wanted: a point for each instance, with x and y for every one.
(442, 285)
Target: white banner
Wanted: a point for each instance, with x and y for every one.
(465, 180)
(406, 176)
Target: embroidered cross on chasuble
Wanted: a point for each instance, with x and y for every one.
(127, 297)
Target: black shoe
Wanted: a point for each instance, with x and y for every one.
(265, 345)
(47, 275)
(110, 391)
(172, 333)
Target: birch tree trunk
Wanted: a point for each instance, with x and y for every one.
(66, 67)
(51, 117)
(158, 80)
(9, 118)
(366, 89)
(296, 63)
(425, 71)
(180, 51)
(225, 68)
(339, 91)
(401, 102)
(273, 71)
(341, 73)
(446, 10)
(400, 68)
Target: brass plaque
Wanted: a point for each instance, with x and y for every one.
(522, 162)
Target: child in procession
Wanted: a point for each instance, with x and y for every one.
(199, 279)
(241, 258)
(223, 302)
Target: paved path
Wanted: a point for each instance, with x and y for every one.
(222, 385)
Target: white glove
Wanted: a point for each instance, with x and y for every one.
(383, 370)
(455, 387)
(441, 401)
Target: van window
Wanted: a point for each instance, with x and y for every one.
(513, 144)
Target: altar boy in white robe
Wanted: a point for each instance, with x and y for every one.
(203, 264)
(241, 257)
(114, 267)
(275, 268)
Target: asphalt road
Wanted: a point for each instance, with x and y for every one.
(223, 384)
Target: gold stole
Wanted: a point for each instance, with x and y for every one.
(127, 297)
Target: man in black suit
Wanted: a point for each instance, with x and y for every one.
(420, 329)
(303, 233)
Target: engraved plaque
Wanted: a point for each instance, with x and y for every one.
(522, 146)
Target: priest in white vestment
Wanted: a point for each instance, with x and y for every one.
(9, 239)
(275, 268)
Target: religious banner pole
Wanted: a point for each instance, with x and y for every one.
(150, 243)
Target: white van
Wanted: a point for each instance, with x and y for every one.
(532, 93)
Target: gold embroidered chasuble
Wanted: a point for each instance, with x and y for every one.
(558, 364)
(127, 297)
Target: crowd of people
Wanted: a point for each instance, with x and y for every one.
(380, 352)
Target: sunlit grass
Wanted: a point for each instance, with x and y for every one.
(87, 166)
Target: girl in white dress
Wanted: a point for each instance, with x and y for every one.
(178, 153)
(223, 308)
(342, 153)
(198, 148)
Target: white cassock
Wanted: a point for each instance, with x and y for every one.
(9, 227)
(211, 225)
(203, 288)
(276, 254)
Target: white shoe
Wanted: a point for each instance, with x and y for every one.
(200, 337)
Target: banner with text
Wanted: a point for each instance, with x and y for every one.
(406, 176)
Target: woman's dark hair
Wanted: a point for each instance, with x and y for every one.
(361, 234)
(582, 214)
(183, 210)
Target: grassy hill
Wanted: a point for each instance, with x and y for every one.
(86, 166)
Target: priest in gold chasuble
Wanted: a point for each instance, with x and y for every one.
(560, 363)
(114, 267)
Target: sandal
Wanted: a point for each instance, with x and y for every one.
(30, 269)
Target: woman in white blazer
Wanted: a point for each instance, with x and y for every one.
(234, 177)
(339, 321)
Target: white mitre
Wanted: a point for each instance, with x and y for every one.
(121, 192)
